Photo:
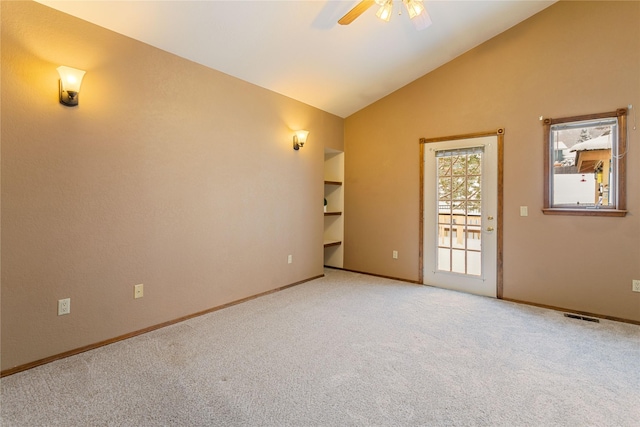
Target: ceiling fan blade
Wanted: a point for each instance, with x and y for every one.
(358, 10)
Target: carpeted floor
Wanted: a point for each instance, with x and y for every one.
(347, 349)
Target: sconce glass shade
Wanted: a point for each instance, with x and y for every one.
(70, 81)
(300, 138)
(385, 11)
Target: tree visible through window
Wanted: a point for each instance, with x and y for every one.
(585, 164)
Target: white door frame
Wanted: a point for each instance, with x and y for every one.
(499, 133)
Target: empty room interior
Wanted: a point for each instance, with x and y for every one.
(169, 190)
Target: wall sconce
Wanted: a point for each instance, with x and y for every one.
(70, 81)
(299, 139)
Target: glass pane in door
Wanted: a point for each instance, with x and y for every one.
(459, 210)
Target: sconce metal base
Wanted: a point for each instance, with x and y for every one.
(68, 98)
(296, 144)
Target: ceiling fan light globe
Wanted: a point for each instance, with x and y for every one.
(385, 11)
(421, 21)
(414, 7)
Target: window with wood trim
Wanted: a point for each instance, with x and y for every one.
(585, 164)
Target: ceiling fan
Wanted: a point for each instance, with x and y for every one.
(415, 8)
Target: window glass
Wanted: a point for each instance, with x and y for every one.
(583, 170)
(585, 164)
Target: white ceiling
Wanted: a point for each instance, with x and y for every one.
(296, 48)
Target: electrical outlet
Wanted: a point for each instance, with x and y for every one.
(64, 306)
(395, 254)
(635, 285)
(138, 291)
(290, 259)
(524, 211)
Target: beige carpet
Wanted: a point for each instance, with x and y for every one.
(345, 350)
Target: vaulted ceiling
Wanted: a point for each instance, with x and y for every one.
(297, 48)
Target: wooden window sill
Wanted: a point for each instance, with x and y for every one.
(584, 212)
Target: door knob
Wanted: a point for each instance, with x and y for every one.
(489, 228)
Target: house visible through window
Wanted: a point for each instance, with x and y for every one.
(585, 164)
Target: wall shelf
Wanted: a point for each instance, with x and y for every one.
(329, 243)
(332, 213)
(333, 182)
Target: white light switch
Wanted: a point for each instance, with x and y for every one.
(524, 211)
(138, 291)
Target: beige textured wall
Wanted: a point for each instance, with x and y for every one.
(167, 174)
(572, 58)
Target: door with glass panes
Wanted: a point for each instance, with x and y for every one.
(460, 214)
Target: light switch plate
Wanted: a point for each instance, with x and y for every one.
(138, 291)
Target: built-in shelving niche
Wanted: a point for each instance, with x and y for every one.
(334, 214)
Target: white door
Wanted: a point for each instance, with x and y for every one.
(460, 214)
